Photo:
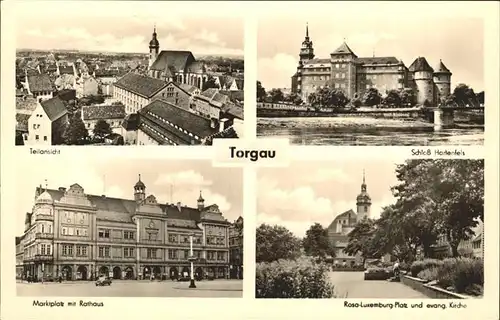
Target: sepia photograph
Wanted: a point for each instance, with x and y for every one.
(379, 80)
(371, 229)
(129, 228)
(127, 77)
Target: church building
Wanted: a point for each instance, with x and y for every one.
(174, 65)
(354, 75)
(344, 223)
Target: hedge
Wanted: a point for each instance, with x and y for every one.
(464, 275)
(301, 278)
(420, 265)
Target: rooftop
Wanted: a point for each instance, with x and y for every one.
(54, 108)
(114, 111)
(420, 64)
(140, 85)
(179, 60)
(40, 83)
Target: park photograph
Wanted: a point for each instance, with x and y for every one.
(371, 229)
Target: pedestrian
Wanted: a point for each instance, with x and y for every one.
(395, 269)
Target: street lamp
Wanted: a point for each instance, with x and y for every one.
(191, 259)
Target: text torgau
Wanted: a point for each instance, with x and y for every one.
(45, 151)
(253, 155)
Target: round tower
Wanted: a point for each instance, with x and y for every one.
(154, 48)
(139, 191)
(363, 202)
(442, 80)
(423, 77)
(201, 202)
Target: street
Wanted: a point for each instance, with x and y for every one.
(353, 285)
(131, 288)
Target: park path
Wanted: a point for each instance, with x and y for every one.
(352, 285)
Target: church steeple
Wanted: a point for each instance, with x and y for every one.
(154, 48)
(139, 190)
(201, 202)
(307, 50)
(363, 201)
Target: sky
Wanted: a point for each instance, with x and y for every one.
(458, 42)
(122, 27)
(307, 192)
(116, 178)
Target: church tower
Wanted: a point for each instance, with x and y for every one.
(363, 202)
(201, 202)
(154, 49)
(139, 191)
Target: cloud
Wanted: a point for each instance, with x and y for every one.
(334, 175)
(183, 179)
(210, 37)
(281, 66)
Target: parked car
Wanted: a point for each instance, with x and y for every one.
(103, 281)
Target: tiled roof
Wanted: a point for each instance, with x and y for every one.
(377, 60)
(233, 110)
(420, 64)
(345, 214)
(106, 73)
(318, 61)
(141, 85)
(234, 96)
(229, 133)
(177, 59)
(344, 48)
(131, 122)
(54, 108)
(122, 210)
(187, 87)
(240, 83)
(40, 82)
(66, 70)
(28, 103)
(114, 111)
(196, 67)
(441, 68)
(22, 121)
(66, 94)
(184, 119)
(213, 95)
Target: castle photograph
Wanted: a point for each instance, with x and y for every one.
(84, 79)
(164, 229)
(336, 82)
(371, 229)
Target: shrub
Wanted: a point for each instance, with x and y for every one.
(428, 274)
(420, 265)
(299, 278)
(377, 274)
(464, 275)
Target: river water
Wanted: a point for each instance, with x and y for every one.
(364, 131)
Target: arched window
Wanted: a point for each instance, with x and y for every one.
(43, 228)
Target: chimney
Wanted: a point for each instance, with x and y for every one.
(179, 206)
(222, 124)
(213, 123)
(62, 189)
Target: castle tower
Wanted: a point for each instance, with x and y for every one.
(442, 80)
(343, 69)
(423, 78)
(154, 49)
(363, 202)
(306, 53)
(201, 202)
(139, 191)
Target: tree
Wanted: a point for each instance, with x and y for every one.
(19, 139)
(276, 95)
(276, 242)
(393, 99)
(102, 129)
(328, 97)
(480, 97)
(356, 102)
(464, 95)
(372, 97)
(360, 240)
(316, 242)
(58, 130)
(261, 92)
(210, 83)
(75, 132)
(293, 98)
(407, 97)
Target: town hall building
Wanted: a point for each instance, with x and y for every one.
(78, 236)
(354, 75)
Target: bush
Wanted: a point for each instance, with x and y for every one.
(301, 278)
(428, 274)
(464, 275)
(420, 265)
(377, 274)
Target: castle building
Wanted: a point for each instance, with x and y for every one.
(78, 236)
(173, 65)
(344, 223)
(354, 75)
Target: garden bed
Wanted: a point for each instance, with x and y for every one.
(429, 290)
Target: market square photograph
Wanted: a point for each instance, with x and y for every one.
(126, 76)
(371, 229)
(375, 80)
(129, 228)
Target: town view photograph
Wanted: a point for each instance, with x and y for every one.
(127, 78)
(375, 81)
(371, 229)
(164, 229)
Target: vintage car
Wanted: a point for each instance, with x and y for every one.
(103, 281)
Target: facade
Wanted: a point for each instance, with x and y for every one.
(340, 227)
(136, 91)
(65, 82)
(112, 114)
(177, 66)
(180, 94)
(77, 236)
(46, 121)
(87, 86)
(473, 248)
(345, 71)
(236, 249)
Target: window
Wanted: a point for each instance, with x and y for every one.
(366, 208)
(42, 229)
(81, 251)
(151, 253)
(337, 66)
(220, 256)
(337, 75)
(172, 254)
(152, 236)
(343, 75)
(34, 125)
(37, 137)
(128, 252)
(104, 252)
(43, 249)
(172, 238)
(128, 235)
(64, 231)
(104, 233)
(67, 250)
